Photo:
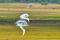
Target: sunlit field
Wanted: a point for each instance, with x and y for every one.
(10, 12)
(11, 32)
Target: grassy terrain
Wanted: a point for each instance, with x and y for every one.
(11, 32)
(11, 11)
(34, 15)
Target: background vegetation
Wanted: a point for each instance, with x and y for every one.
(34, 1)
(10, 12)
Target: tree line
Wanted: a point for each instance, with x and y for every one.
(27, 1)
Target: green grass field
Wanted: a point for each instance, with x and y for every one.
(11, 12)
(39, 12)
(11, 32)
